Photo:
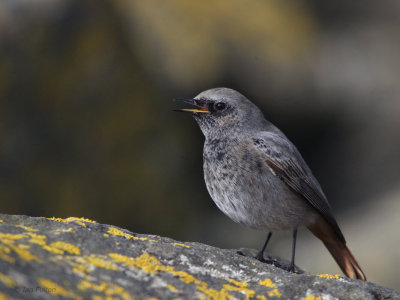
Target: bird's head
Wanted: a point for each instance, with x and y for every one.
(223, 111)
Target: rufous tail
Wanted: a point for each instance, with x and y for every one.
(337, 247)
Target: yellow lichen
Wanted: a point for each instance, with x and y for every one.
(312, 297)
(267, 282)
(336, 276)
(21, 249)
(4, 251)
(1, 221)
(247, 292)
(8, 241)
(24, 254)
(62, 230)
(8, 281)
(96, 261)
(37, 239)
(55, 247)
(62, 247)
(56, 290)
(110, 290)
(274, 293)
(116, 232)
(171, 287)
(9, 237)
(261, 297)
(238, 283)
(73, 219)
(26, 228)
(24, 246)
(79, 268)
(3, 296)
(181, 245)
(151, 265)
(83, 265)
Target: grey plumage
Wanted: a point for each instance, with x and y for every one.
(239, 145)
(256, 176)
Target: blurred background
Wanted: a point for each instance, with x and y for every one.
(87, 128)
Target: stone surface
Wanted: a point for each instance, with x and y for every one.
(77, 258)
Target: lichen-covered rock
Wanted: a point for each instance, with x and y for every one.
(77, 258)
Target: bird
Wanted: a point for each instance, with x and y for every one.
(258, 178)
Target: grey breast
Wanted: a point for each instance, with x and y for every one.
(245, 188)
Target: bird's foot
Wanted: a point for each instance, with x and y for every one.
(292, 269)
(260, 257)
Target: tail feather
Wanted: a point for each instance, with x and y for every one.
(338, 249)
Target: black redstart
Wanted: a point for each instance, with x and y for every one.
(257, 177)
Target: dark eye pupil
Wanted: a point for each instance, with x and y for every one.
(220, 106)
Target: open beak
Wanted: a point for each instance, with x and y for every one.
(199, 109)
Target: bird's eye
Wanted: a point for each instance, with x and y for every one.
(220, 106)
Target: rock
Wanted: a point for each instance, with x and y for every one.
(76, 258)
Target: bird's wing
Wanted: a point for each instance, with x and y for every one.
(286, 162)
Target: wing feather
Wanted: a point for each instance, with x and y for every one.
(285, 160)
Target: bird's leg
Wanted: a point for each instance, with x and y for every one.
(291, 266)
(260, 254)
